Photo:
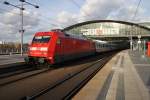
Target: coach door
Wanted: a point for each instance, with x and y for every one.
(58, 51)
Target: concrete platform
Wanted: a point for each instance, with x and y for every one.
(7, 60)
(125, 77)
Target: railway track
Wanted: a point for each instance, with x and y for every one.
(22, 75)
(59, 83)
(17, 69)
(80, 78)
(13, 69)
(18, 72)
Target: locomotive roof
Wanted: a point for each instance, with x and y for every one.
(49, 33)
(60, 33)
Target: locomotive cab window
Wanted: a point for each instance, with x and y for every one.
(41, 39)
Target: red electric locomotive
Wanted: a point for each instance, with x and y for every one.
(56, 46)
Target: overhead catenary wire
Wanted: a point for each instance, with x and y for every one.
(8, 11)
(134, 16)
(77, 5)
(86, 14)
(46, 20)
(41, 16)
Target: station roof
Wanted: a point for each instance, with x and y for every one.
(102, 21)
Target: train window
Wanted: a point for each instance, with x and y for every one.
(67, 34)
(41, 39)
(58, 41)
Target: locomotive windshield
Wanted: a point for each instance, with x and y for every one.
(41, 39)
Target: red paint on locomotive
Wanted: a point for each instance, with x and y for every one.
(57, 46)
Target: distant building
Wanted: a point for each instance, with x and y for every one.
(147, 24)
(104, 29)
(2, 42)
(101, 29)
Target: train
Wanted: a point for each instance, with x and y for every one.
(57, 46)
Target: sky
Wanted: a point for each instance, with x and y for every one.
(62, 13)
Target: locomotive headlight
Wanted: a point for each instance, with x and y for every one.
(44, 48)
(33, 48)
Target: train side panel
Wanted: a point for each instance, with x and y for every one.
(71, 48)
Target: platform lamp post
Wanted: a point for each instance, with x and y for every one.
(21, 14)
(131, 41)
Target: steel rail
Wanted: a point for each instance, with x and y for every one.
(70, 94)
(20, 76)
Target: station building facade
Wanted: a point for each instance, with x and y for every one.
(108, 28)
